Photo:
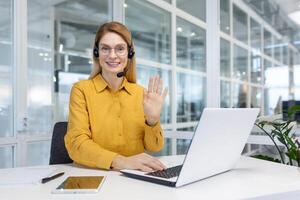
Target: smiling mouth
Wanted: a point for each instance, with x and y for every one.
(113, 64)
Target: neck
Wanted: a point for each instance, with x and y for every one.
(112, 80)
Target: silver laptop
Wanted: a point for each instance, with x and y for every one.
(216, 147)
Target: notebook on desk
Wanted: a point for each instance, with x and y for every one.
(218, 141)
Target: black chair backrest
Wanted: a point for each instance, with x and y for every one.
(58, 151)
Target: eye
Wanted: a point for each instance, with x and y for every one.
(120, 48)
(104, 49)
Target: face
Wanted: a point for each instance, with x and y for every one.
(112, 53)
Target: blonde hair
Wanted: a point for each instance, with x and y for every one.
(121, 30)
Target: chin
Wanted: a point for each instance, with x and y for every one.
(113, 70)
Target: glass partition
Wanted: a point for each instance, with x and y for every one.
(191, 97)
(225, 16)
(240, 24)
(225, 58)
(196, 8)
(240, 95)
(225, 94)
(151, 33)
(6, 69)
(7, 156)
(191, 46)
(268, 46)
(240, 63)
(255, 37)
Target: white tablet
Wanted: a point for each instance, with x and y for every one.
(80, 185)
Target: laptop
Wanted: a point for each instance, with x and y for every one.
(216, 146)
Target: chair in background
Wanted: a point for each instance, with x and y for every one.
(58, 151)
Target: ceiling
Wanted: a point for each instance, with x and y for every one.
(276, 12)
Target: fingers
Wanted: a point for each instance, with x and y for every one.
(159, 87)
(144, 162)
(150, 84)
(145, 168)
(155, 85)
(153, 163)
(145, 94)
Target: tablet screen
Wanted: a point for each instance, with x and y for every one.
(81, 182)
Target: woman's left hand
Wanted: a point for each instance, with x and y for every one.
(154, 100)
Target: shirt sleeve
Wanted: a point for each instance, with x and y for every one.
(154, 138)
(78, 140)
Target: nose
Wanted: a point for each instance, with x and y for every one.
(112, 53)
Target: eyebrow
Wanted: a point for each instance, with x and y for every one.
(123, 44)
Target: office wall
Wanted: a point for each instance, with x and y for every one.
(171, 40)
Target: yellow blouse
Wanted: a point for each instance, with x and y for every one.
(103, 123)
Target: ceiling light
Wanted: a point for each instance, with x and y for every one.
(295, 16)
(61, 47)
(179, 29)
(193, 34)
(125, 5)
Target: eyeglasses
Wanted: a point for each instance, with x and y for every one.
(120, 50)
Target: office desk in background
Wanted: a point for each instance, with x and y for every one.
(251, 179)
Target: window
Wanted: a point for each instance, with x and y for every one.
(256, 69)
(255, 30)
(6, 83)
(225, 16)
(240, 24)
(191, 97)
(240, 63)
(225, 58)
(267, 43)
(152, 33)
(6, 70)
(196, 8)
(191, 46)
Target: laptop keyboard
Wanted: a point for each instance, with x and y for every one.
(167, 173)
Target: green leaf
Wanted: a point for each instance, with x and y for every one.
(268, 158)
(293, 110)
(281, 140)
(290, 142)
(292, 155)
(287, 131)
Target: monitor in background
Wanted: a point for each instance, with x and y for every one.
(287, 106)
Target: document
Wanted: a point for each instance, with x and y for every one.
(32, 175)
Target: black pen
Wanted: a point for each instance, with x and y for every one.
(47, 179)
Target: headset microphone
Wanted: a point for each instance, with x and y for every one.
(120, 74)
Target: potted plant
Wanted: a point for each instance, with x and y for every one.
(282, 131)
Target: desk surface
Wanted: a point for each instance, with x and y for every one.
(251, 179)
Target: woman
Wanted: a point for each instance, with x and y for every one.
(112, 120)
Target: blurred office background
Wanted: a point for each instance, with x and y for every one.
(216, 53)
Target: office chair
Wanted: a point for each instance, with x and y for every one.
(58, 151)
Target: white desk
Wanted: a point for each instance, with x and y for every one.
(252, 178)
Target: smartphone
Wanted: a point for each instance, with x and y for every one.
(80, 185)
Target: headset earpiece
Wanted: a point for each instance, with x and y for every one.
(96, 52)
(130, 52)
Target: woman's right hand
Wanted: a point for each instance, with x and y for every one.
(143, 162)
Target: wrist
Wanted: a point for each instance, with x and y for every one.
(117, 163)
(151, 122)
